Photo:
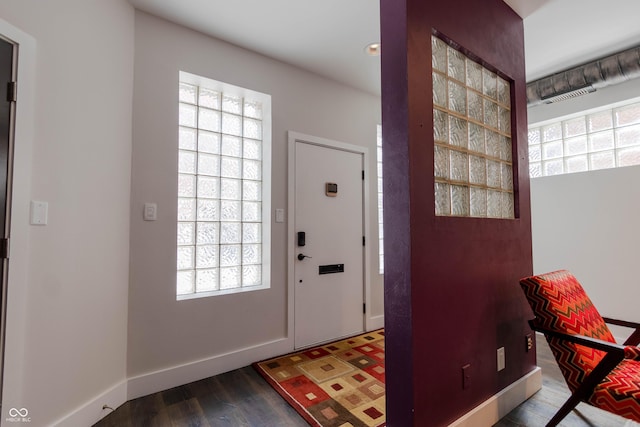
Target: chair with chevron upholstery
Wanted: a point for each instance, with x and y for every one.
(597, 370)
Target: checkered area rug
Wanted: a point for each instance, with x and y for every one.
(340, 384)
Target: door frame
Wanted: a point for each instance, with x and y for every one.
(294, 138)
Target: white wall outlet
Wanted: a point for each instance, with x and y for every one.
(279, 215)
(39, 213)
(500, 357)
(150, 211)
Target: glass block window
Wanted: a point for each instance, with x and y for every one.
(223, 188)
(472, 131)
(380, 224)
(602, 139)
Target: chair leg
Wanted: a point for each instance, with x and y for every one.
(568, 406)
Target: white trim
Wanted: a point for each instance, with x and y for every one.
(493, 409)
(174, 376)
(92, 411)
(368, 322)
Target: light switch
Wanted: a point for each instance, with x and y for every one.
(279, 215)
(39, 212)
(150, 211)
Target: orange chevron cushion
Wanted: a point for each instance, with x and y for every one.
(560, 303)
(619, 392)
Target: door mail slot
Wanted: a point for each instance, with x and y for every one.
(330, 269)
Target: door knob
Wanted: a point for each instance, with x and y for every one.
(302, 256)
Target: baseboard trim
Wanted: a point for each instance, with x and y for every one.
(164, 379)
(375, 322)
(492, 410)
(91, 412)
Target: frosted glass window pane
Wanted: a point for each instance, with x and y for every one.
(207, 280)
(187, 139)
(251, 233)
(441, 164)
(478, 202)
(443, 199)
(507, 177)
(439, 90)
(629, 156)
(380, 181)
(507, 205)
(457, 98)
(251, 191)
(476, 138)
(251, 254)
(459, 135)
(493, 174)
(231, 167)
(575, 146)
(208, 164)
(209, 120)
(186, 209)
(456, 67)
(459, 166)
(208, 210)
(231, 146)
(208, 233)
(185, 282)
(492, 144)
(188, 93)
(187, 115)
(439, 54)
(208, 187)
(575, 127)
(477, 170)
(230, 210)
(185, 257)
(251, 211)
(208, 142)
(230, 255)
(186, 231)
(187, 162)
(490, 113)
(231, 124)
(252, 149)
(552, 150)
(600, 121)
(186, 185)
(252, 129)
(506, 148)
(253, 109)
(602, 160)
(627, 115)
(251, 170)
(494, 204)
(552, 132)
(535, 153)
(231, 104)
(230, 232)
(489, 84)
(209, 98)
(459, 200)
(474, 75)
(535, 170)
(553, 167)
(207, 256)
(230, 189)
(577, 164)
(504, 120)
(230, 278)
(475, 106)
(628, 136)
(251, 275)
(601, 141)
(440, 126)
(534, 136)
(504, 92)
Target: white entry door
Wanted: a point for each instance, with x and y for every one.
(329, 257)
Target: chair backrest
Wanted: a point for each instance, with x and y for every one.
(560, 303)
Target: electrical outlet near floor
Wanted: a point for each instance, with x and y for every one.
(500, 357)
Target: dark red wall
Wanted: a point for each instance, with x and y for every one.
(451, 284)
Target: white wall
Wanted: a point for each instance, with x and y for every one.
(588, 222)
(69, 302)
(172, 342)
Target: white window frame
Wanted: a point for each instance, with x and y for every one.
(265, 99)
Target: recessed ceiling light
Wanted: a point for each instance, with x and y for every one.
(373, 49)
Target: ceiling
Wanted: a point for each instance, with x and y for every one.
(329, 37)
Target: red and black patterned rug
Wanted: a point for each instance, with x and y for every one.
(337, 384)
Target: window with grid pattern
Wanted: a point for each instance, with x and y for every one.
(602, 139)
(380, 212)
(223, 237)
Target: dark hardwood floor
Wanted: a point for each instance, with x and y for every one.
(241, 398)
